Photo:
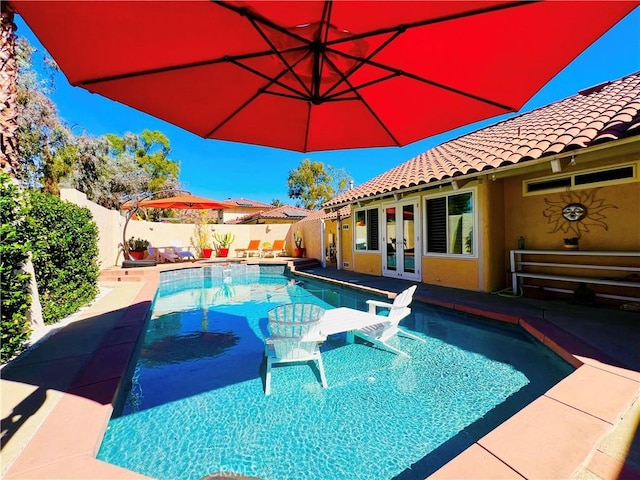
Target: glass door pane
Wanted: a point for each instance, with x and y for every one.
(407, 229)
(391, 235)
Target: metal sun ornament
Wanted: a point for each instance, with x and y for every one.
(576, 212)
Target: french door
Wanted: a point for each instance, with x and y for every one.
(401, 241)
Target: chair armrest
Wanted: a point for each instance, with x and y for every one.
(376, 303)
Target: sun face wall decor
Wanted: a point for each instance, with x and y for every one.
(576, 212)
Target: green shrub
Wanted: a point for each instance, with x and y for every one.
(65, 250)
(14, 251)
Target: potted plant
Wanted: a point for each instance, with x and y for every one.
(201, 239)
(571, 243)
(223, 242)
(137, 247)
(298, 251)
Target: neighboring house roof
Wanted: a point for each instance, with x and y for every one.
(603, 113)
(286, 212)
(245, 202)
(329, 215)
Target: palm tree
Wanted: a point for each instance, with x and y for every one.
(8, 92)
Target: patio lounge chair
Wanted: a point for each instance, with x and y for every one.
(161, 256)
(253, 247)
(295, 337)
(276, 249)
(371, 326)
(183, 252)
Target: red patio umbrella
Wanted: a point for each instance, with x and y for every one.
(318, 75)
(180, 202)
(183, 202)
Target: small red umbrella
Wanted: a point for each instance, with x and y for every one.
(318, 75)
(183, 202)
(180, 202)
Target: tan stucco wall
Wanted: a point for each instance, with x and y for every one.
(491, 261)
(311, 241)
(613, 228)
(110, 225)
(346, 243)
(449, 272)
(369, 263)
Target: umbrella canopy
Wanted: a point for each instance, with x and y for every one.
(318, 75)
(181, 202)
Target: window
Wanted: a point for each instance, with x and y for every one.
(585, 179)
(449, 223)
(366, 235)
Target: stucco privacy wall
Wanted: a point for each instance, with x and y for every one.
(110, 224)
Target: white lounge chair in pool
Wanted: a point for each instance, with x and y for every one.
(371, 326)
(294, 337)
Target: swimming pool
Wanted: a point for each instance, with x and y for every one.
(196, 404)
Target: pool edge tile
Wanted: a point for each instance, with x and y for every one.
(475, 463)
(546, 439)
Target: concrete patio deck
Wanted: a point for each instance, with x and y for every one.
(57, 397)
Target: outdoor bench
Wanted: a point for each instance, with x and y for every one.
(593, 261)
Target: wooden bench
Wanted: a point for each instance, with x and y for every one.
(518, 267)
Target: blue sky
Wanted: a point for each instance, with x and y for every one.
(223, 170)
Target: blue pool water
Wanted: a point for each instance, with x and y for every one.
(196, 404)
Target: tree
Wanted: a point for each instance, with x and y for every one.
(277, 203)
(108, 169)
(45, 151)
(311, 184)
(8, 91)
(141, 165)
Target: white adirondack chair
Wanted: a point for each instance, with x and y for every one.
(383, 328)
(294, 337)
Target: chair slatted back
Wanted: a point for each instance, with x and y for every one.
(294, 330)
(254, 245)
(401, 304)
(278, 245)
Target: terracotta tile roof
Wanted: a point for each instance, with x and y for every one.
(245, 202)
(606, 112)
(331, 215)
(286, 212)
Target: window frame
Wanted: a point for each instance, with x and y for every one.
(425, 225)
(635, 177)
(355, 229)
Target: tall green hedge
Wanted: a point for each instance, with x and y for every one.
(64, 241)
(14, 251)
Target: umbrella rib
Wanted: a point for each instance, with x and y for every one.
(361, 62)
(363, 85)
(373, 113)
(447, 18)
(273, 80)
(429, 82)
(245, 12)
(254, 96)
(289, 67)
(319, 64)
(171, 68)
(402, 29)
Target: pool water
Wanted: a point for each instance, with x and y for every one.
(196, 405)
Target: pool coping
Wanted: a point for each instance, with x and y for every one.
(550, 438)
